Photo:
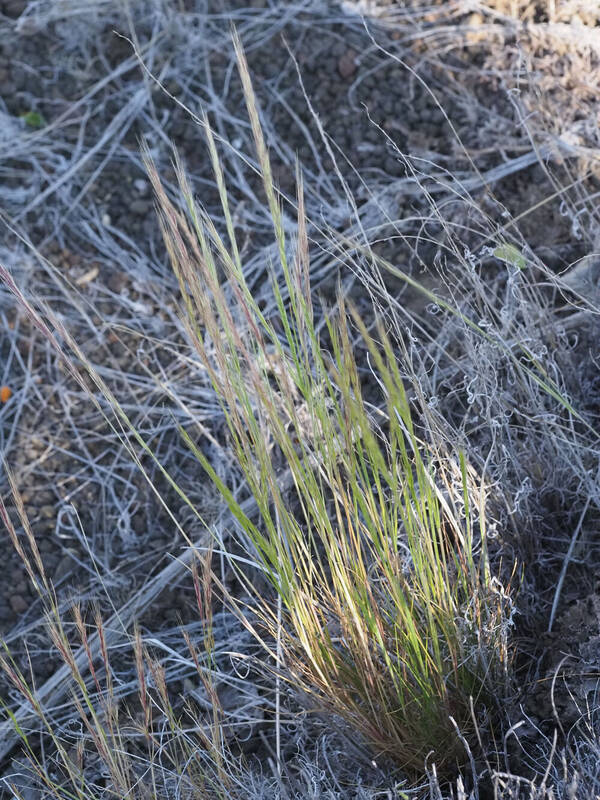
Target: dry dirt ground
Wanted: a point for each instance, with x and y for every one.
(408, 106)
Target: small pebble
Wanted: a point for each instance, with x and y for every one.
(18, 603)
(63, 568)
(141, 186)
(14, 8)
(347, 64)
(139, 207)
(116, 282)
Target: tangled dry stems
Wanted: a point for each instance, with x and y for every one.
(484, 365)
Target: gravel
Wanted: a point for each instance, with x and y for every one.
(76, 191)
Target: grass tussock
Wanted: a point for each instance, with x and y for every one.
(389, 616)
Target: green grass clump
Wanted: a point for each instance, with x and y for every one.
(388, 614)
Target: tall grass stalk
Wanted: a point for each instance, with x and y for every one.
(142, 748)
(390, 617)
